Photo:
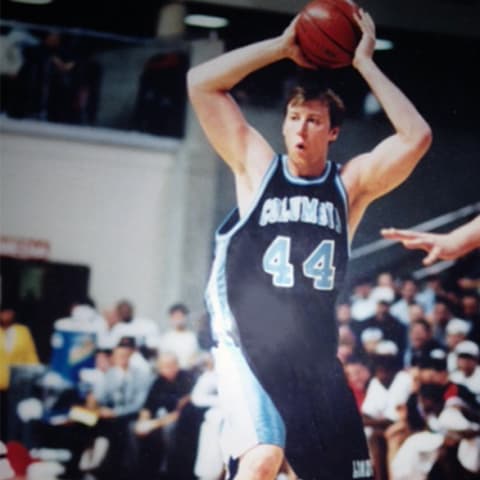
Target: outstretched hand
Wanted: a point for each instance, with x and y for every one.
(292, 49)
(438, 246)
(366, 46)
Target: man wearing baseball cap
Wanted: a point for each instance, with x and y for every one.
(468, 370)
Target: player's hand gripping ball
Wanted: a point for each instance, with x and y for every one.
(327, 33)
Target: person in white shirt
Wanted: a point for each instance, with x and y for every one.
(179, 338)
(456, 331)
(468, 370)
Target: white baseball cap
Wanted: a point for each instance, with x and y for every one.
(468, 348)
(458, 326)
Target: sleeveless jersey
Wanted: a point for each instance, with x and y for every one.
(278, 270)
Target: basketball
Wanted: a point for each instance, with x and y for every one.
(327, 32)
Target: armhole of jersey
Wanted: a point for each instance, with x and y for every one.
(230, 230)
(343, 193)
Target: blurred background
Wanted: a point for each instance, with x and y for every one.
(109, 190)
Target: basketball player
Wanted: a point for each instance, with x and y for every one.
(439, 246)
(280, 259)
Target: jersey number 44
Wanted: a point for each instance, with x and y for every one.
(317, 266)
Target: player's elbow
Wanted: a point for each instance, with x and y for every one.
(193, 80)
(425, 136)
(420, 138)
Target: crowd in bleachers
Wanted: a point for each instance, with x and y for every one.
(144, 403)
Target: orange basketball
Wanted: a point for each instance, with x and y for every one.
(327, 32)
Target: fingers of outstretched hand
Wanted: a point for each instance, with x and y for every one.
(433, 255)
(396, 234)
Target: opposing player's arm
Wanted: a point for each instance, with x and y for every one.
(220, 117)
(376, 173)
(444, 246)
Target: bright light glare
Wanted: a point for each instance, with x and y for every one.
(33, 2)
(206, 21)
(383, 44)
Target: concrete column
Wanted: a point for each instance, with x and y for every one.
(192, 196)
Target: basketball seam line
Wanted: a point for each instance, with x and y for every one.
(341, 47)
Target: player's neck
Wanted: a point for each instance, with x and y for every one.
(306, 170)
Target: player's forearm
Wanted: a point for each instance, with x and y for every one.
(404, 117)
(467, 237)
(224, 72)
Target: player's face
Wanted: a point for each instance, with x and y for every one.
(307, 132)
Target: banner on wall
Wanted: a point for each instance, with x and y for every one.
(24, 248)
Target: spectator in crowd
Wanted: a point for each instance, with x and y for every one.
(390, 327)
(93, 379)
(470, 304)
(358, 376)
(179, 338)
(155, 426)
(347, 344)
(388, 390)
(441, 315)
(363, 305)
(415, 312)
(209, 460)
(468, 370)
(16, 348)
(456, 331)
(431, 291)
(370, 338)
(131, 325)
(408, 293)
(123, 395)
(343, 314)
(384, 289)
(420, 342)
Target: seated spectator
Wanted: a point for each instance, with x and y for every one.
(388, 390)
(384, 290)
(415, 312)
(470, 303)
(420, 342)
(370, 338)
(209, 462)
(179, 338)
(343, 314)
(441, 315)
(390, 327)
(456, 331)
(16, 348)
(16, 345)
(123, 395)
(430, 292)
(347, 343)
(363, 305)
(130, 325)
(408, 293)
(358, 376)
(93, 379)
(155, 426)
(468, 370)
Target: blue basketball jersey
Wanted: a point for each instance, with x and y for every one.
(278, 270)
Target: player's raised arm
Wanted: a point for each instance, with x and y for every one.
(375, 173)
(219, 115)
(440, 246)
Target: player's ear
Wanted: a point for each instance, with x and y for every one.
(334, 133)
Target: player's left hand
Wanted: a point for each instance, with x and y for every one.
(292, 48)
(366, 47)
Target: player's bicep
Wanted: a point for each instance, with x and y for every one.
(389, 164)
